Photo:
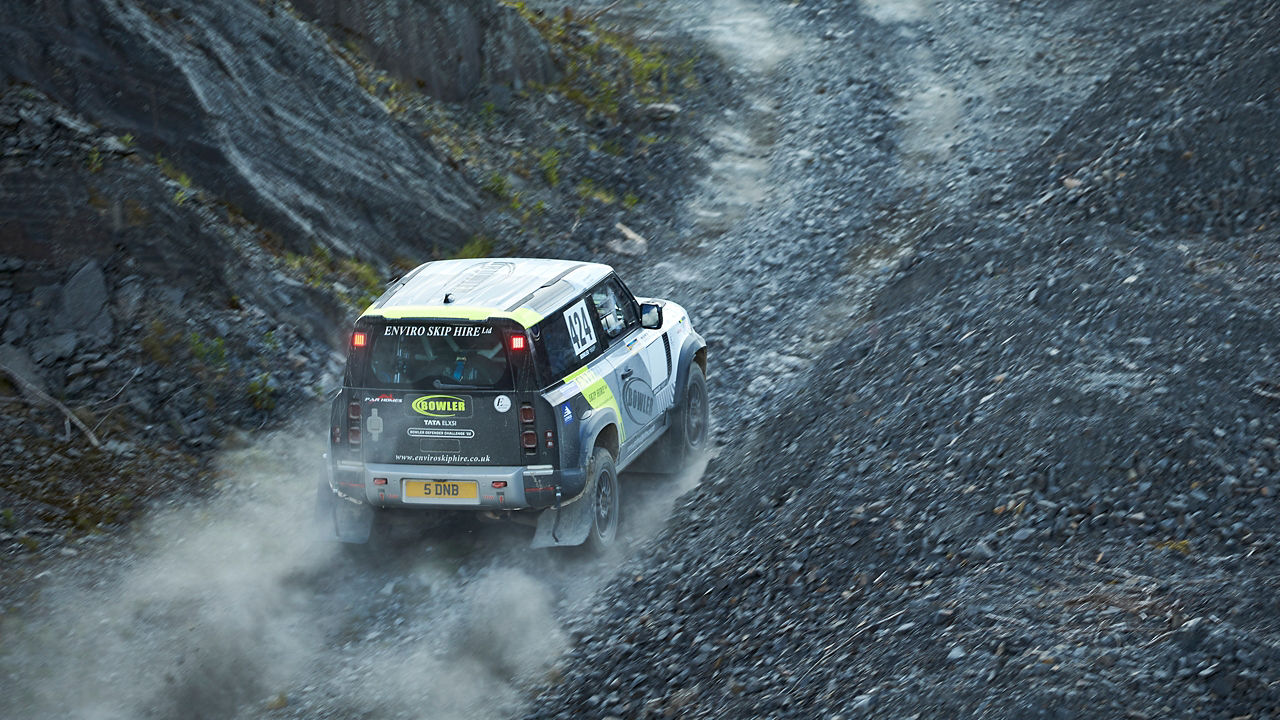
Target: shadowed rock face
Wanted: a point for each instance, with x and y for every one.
(252, 105)
(451, 50)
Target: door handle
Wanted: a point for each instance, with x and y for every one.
(628, 373)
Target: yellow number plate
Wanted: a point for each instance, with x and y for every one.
(442, 491)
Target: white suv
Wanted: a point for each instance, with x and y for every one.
(510, 386)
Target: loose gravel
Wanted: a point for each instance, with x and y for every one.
(1033, 476)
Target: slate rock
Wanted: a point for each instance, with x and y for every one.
(84, 295)
(17, 362)
(48, 350)
(16, 328)
(129, 299)
(83, 304)
(1191, 635)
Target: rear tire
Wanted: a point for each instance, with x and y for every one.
(605, 500)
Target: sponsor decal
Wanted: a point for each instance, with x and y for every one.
(597, 394)
(445, 459)
(502, 403)
(440, 433)
(638, 399)
(384, 398)
(403, 331)
(442, 406)
(567, 413)
(460, 331)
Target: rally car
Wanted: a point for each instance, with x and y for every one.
(510, 387)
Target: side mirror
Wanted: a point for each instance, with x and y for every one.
(650, 316)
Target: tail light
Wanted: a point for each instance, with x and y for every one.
(353, 424)
(529, 433)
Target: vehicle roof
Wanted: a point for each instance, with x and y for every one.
(522, 289)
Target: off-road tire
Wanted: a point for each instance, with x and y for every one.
(606, 500)
(691, 424)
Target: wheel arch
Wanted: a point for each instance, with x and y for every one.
(694, 350)
(607, 438)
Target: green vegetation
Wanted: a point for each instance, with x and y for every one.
(1180, 546)
(94, 161)
(606, 65)
(549, 162)
(321, 270)
(211, 352)
(172, 172)
(261, 392)
(497, 185)
(477, 246)
(489, 114)
(587, 189)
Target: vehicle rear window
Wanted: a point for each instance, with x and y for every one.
(436, 357)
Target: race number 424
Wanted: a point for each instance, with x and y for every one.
(582, 336)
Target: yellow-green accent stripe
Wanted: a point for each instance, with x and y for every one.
(597, 394)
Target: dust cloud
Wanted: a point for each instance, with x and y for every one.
(211, 610)
(234, 607)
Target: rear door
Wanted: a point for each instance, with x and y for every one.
(436, 393)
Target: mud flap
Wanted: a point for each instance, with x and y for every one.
(340, 519)
(572, 529)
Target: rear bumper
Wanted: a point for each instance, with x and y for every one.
(495, 487)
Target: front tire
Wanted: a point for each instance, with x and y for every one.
(691, 425)
(606, 499)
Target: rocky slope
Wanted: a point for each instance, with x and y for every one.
(195, 199)
(251, 104)
(1036, 476)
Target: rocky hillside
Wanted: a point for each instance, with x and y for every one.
(196, 198)
(1036, 478)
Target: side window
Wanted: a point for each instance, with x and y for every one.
(614, 307)
(567, 340)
